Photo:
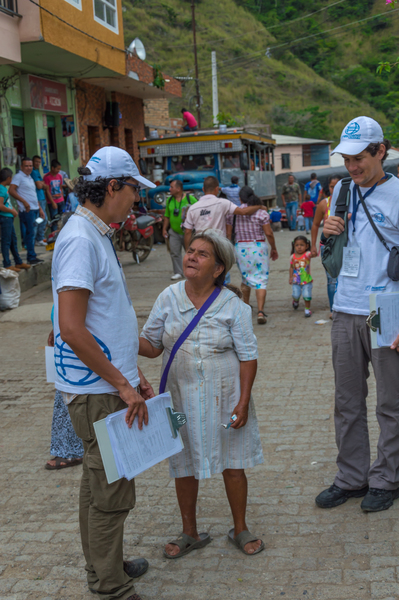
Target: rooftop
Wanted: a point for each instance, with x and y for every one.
(292, 140)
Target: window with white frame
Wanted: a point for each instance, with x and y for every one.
(75, 3)
(105, 12)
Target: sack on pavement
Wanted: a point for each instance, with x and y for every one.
(10, 292)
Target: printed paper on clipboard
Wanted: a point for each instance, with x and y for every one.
(128, 452)
(384, 309)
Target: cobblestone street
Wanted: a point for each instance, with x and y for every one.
(310, 553)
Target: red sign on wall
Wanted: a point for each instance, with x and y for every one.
(47, 95)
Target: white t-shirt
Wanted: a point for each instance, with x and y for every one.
(27, 189)
(209, 212)
(84, 258)
(352, 295)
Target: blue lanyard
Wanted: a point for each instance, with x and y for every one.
(356, 204)
(116, 256)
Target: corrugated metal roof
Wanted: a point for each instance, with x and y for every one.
(292, 140)
(336, 160)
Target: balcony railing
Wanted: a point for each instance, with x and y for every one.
(10, 7)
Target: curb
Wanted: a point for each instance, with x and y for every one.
(35, 275)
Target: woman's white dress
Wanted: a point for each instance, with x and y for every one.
(204, 379)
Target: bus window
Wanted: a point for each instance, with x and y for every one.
(231, 161)
(193, 162)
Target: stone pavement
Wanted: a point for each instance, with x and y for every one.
(310, 553)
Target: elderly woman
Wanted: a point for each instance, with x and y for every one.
(250, 233)
(210, 380)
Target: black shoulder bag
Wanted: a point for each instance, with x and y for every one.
(393, 261)
(335, 244)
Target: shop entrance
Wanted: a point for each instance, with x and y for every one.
(18, 131)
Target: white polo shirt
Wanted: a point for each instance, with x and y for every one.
(352, 295)
(26, 188)
(209, 212)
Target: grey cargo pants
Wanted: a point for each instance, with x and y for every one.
(352, 353)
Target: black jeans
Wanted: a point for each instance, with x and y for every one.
(9, 241)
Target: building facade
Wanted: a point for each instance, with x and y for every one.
(295, 154)
(67, 84)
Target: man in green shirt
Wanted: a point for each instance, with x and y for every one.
(175, 213)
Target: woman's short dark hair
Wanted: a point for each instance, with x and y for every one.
(96, 190)
(248, 196)
(373, 148)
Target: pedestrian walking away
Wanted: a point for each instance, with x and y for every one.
(307, 211)
(176, 209)
(300, 277)
(322, 213)
(232, 192)
(251, 250)
(95, 324)
(23, 189)
(9, 241)
(292, 198)
(210, 379)
(312, 189)
(364, 150)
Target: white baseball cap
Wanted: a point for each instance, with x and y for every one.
(115, 162)
(358, 134)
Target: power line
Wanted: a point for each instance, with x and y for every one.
(254, 55)
(263, 29)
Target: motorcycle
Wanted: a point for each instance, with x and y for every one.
(135, 235)
(52, 236)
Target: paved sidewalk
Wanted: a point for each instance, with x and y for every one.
(310, 553)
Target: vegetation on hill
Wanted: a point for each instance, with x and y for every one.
(259, 83)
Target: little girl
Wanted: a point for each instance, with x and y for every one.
(300, 277)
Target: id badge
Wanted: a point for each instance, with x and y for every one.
(351, 260)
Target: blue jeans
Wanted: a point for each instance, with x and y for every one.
(331, 285)
(28, 225)
(41, 229)
(290, 210)
(305, 289)
(56, 211)
(308, 223)
(9, 241)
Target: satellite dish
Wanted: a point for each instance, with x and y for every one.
(137, 48)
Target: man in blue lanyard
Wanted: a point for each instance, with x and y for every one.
(364, 271)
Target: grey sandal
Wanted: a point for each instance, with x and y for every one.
(243, 538)
(186, 543)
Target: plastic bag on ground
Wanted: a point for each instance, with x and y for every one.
(10, 291)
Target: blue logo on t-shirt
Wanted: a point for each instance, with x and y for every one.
(379, 217)
(65, 364)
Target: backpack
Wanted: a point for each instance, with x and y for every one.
(335, 244)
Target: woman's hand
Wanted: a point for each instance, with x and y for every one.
(274, 254)
(241, 412)
(146, 390)
(313, 251)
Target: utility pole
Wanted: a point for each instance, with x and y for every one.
(196, 66)
(215, 98)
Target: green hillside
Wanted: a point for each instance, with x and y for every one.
(254, 88)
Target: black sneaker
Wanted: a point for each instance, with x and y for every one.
(334, 496)
(378, 499)
(135, 568)
(35, 261)
(295, 304)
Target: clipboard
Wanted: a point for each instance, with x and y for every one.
(174, 419)
(383, 319)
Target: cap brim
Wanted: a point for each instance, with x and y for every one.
(145, 183)
(350, 147)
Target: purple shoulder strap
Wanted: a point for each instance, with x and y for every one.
(185, 335)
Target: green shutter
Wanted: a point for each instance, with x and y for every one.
(17, 117)
(50, 121)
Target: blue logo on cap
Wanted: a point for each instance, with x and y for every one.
(95, 159)
(352, 128)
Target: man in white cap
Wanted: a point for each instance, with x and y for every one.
(364, 271)
(96, 347)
